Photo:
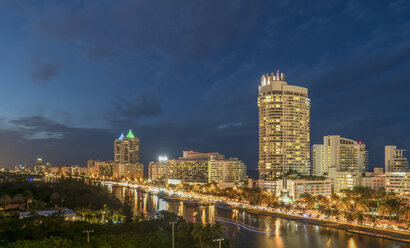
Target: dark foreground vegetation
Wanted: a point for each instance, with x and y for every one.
(53, 231)
(111, 222)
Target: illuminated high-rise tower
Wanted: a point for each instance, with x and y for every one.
(127, 157)
(127, 149)
(284, 127)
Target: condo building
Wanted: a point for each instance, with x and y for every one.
(158, 170)
(374, 180)
(345, 179)
(127, 149)
(339, 153)
(126, 157)
(98, 168)
(312, 187)
(399, 183)
(199, 167)
(318, 160)
(296, 188)
(191, 167)
(230, 170)
(284, 127)
(394, 161)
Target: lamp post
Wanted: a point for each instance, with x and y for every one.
(219, 240)
(88, 234)
(173, 233)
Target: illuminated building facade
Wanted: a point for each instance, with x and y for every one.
(394, 161)
(295, 188)
(127, 157)
(158, 170)
(230, 170)
(284, 127)
(318, 160)
(98, 168)
(127, 149)
(399, 183)
(41, 167)
(191, 167)
(345, 179)
(339, 153)
(268, 185)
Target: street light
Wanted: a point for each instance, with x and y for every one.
(219, 240)
(88, 234)
(173, 233)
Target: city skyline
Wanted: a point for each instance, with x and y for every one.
(66, 93)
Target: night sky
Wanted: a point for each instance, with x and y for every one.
(185, 74)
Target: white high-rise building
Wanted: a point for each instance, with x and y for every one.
(394, 161)
(318, 160)
(339, 153)
(284, 127)
(344, 154)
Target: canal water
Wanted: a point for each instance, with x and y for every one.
(270, 232)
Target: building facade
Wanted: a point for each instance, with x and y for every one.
(318, 160)
(394, 160)
(262, 184)
(284, 127)
(98, 168)
(374, 180)
(127, 149)
(295, 187)
(158, 170)
(312, 187)
(127, 157)
(230, 170)
(191, 167)
(345, 179)
(398, 183)
(128, 171)
(339, 153)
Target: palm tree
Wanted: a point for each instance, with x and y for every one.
(372, 219)
(205, 234)
(199, 234)
(308, 199)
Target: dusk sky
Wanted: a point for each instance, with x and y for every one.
(184, 74)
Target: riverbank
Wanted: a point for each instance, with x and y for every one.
(374, 232)
(352, 228)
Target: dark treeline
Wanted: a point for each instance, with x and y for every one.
(113, 222)
(68, 193)
(53, 231)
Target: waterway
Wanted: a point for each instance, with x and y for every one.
(267, 231)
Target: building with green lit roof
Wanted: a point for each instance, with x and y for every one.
(127, 157)
(127, 149)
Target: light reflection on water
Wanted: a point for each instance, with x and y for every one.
(286, 233)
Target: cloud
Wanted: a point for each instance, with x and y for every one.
(180, 29)
(127, 111)
(34, 136)
(43, 72)
(230, 125)
(39, 127)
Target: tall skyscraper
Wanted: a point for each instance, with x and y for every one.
(127, 157)
(284, 127)
(339, 153)
(127, 149)
(394, 161)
